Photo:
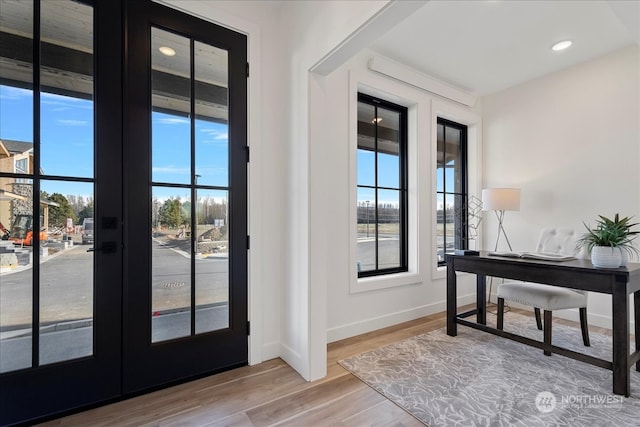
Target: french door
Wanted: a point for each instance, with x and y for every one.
(60, 127)
(185, 308)
(123, 259)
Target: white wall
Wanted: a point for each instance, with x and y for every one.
(267, 169)
(357, 306)
(301, 274)
(548, 137)
(571, 141)
(286, 40)
(314, 29)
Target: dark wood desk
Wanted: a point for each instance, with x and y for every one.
(575, 274)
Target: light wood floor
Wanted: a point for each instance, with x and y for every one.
(272, 393)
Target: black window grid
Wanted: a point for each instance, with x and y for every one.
(458, 215)
(401, 189)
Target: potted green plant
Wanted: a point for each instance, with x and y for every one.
(610, 241)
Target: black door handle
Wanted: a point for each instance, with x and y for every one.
(107, 248)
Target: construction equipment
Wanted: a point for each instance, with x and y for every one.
(4, 232)
(22, 230)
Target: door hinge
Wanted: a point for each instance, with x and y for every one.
(247, 70)
(248, 150)
(248, 327)
(248, 242)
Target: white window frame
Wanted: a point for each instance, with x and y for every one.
(473, 121)
(424, 108)
(417, 106)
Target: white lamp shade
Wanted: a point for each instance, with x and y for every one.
(501, 199)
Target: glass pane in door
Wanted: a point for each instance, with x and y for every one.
(171, 264)
(190, 161)
(171, 101)
(43, 227)
(211, 180)
(16, 159)
(16, 278)
(212, 261)
(171, 287)
(66, 270)
(212, 115)
(65, 223)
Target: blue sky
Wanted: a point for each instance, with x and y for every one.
(388, 177)
(67, 147)
(67, 143)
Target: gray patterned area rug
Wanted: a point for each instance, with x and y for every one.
(479, 379)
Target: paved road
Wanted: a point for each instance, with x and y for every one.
(67, 287)
(66, 290)
(67, 303)
(389, 250)
(66, 344)
(171, 279)
(388, 253)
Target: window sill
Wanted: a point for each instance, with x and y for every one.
(386, 281)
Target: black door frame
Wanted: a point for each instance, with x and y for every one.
(148, 365)
(124, 362)
(42, 391)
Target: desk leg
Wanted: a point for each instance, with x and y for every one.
(620, 307)
(452, 306)
(481, 298)
(636, 314)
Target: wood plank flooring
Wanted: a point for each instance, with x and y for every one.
(273, 394)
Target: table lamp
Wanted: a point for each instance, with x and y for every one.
(500, 200)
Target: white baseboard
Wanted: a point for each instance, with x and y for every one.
(294, 359)
(270, 351)
(275, 349)
(362, 327)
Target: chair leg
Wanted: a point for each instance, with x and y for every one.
(547, 331)
(584, 326)
(536, 310)
(500, 313)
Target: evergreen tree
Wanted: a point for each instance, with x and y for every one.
(58, 214)
(170, 213)
(85, 212)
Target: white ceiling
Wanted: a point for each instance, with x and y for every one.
(484, 46)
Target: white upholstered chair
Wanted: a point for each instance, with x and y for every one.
(547, 297)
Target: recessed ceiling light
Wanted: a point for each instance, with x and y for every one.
(166, 50)
(561, 45)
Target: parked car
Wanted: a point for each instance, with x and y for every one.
(87, 231)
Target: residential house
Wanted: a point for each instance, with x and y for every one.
(15, 156)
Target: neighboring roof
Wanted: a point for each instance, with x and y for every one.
(16, 147)
(7, 195)
(49, 203)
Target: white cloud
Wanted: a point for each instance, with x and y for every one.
(71, 122)
(170, 169)
(216, 134)
(170, 120)
(15, 93)
(208, 170)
